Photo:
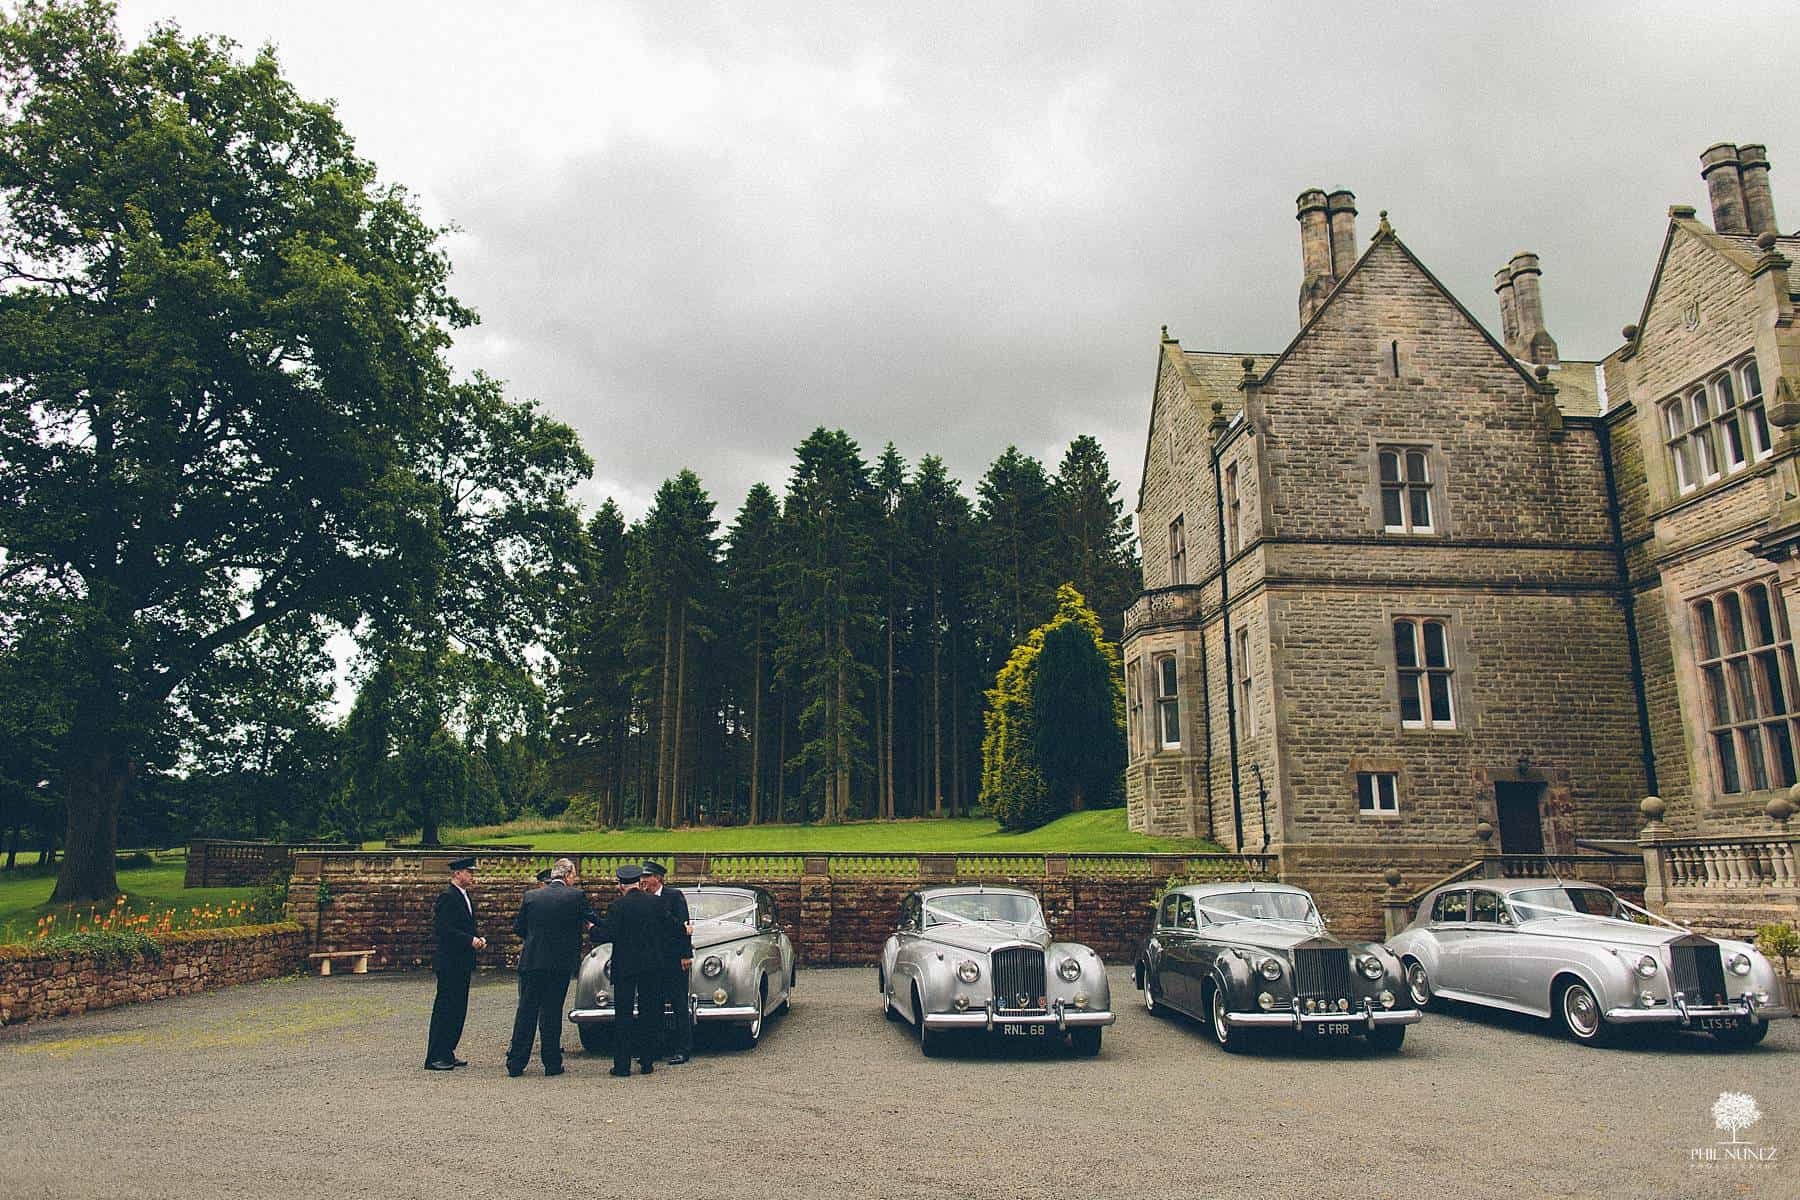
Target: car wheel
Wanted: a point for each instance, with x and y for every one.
(1581, 1015)
(749, 1034)
(930, 1044)
(1232, 1041)
(1418, 983)
(1743, 1035)
(1387, 1038)
(595, 1037)
(1150, 1004)
(1086, 1041)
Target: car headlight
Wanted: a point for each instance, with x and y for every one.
(1069, 969)
(1739, 964)
(1371, 967)
(713, 967)
(1269, 968)
(968, 970)
(1646, 967)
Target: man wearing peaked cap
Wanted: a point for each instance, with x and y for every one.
(453, 923)
(681, 950)
(638, 926)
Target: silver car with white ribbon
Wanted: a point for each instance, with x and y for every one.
(981, 960)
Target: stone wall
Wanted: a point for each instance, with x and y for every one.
(220, 862)
(838, 909)
(35, 984)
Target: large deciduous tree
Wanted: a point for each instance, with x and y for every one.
(221, 356)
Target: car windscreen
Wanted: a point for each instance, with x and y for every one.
(1258, 906)
(983, 906)
(1537, 904)
(722, 906)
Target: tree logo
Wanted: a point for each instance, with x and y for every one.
(1732, 1114)
(1735, 1112)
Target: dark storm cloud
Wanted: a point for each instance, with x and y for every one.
(696, 233)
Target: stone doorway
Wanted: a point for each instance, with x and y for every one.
(1518, 808)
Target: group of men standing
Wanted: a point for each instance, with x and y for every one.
(651, 938)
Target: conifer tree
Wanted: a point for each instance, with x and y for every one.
(1094, 546)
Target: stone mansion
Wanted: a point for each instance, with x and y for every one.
(1415, 590)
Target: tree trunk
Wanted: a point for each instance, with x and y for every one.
(756, 698)
(781, 765)
(887, 795)
(680, 712)
(96, 782)
(937, 716)
(664, 717)
(841, 756)
(956, 764)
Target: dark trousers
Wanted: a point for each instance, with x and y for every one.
(637, 1035)
(448, 1012)
(540, 1013)
(681, 1040)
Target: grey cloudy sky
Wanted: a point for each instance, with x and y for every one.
(696, 232)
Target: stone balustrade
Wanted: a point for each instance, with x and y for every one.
(1165, 607)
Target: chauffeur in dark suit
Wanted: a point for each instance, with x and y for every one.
(675, 986)
(551, 920)
(453, 921)
(642, 936)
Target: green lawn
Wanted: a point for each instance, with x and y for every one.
(25, 896)
(1101, 831)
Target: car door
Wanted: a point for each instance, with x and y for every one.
(1181, 955)
(1450, 930)
(1488, 960)
(895, 969)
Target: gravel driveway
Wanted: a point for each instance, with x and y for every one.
(312, 1087)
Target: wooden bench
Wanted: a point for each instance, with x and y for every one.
(358, 966)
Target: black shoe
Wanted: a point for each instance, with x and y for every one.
(648, 1068)
(440, 1066)
(513, 1071)
(553, 1071)
(458, 1062)
(619, 1073)
(675, 1060)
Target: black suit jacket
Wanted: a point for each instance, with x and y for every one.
(678, 911)
(454, 924)
(641, 932)
(551, 920)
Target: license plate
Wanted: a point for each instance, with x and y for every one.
(1720, 1022)
(1023, 1030)
(1330, 1029)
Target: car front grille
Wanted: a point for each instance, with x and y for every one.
(1699, 970)
(1322, 974)
(1018, 979)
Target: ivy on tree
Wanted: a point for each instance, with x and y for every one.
(1055, 736)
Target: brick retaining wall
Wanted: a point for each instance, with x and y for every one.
(35, 984)
(838, 909)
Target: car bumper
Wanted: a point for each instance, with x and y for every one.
(604, 1014)
(1062, 1019)
(1368, 1018)
(1687, 1014)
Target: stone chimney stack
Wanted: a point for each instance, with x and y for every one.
(1719, 167)
(1759, 201)
(1317, 278)
(1535, 343)
(1341, 206)
(1509, 310)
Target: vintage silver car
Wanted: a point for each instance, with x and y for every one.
(1244, 957)
(981, 959)
(1572, 952)
(743, 970)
